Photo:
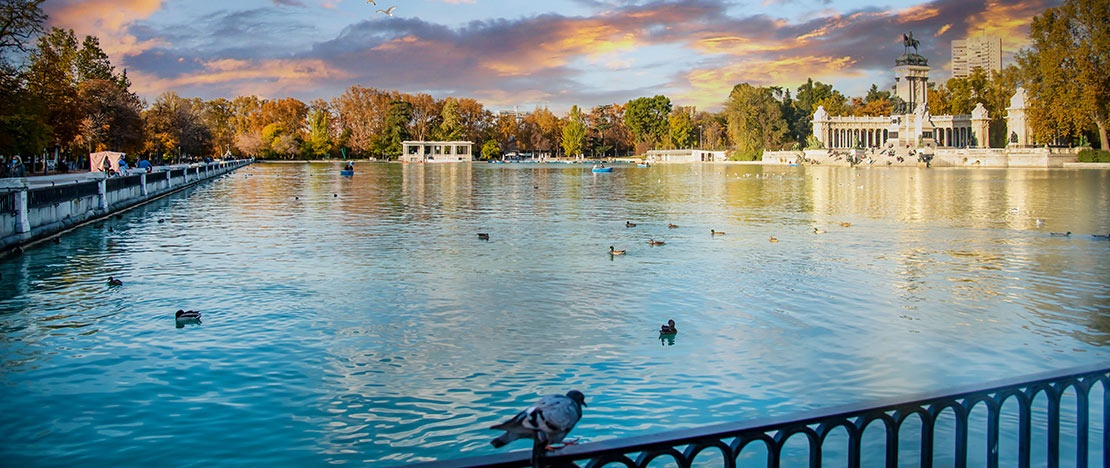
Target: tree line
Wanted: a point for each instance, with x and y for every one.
(61, 94)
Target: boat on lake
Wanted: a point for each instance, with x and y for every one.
(602, 168)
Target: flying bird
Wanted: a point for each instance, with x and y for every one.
(388, 11)
(371, 2)
(549, 419)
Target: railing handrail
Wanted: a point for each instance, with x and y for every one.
(1035, 383)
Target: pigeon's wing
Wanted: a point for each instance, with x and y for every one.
(555, 415)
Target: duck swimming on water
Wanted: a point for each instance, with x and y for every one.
(668, 329)
(613, 251)
(186, 317)
(114, 281)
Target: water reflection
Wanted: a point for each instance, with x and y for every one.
(360, 319)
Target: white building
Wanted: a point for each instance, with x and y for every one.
(910, 126)
(976, 52)
(436, 151)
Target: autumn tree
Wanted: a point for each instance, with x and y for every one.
(608, 133)
(1067, 70)
(174, 128)
(450, 123)
(395, 129)
(681, 128)
(755, 120)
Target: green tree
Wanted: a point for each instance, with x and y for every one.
(755, 120)
(174, 129)
(52, 80)
(574, 133)
(808, 96)
(1067, 69)
(451, 127)
(319, 144)
(491, 150)
(395, 129)
(648, 119)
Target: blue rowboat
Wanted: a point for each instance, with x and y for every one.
(602, 169)
(346, 172)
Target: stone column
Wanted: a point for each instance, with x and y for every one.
(981, 126)
(22, 220)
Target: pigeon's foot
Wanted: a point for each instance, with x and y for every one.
(553, 447)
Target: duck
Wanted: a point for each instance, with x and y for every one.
(819, 231)
(716, 233)
(655, 242)
(629, 224)
(672, 226)
(114, 281)
(668, 329)
(187, 315)
(613, 251)
(1060, 234)
(845, 224)
(1101, 236)
(483, 235)
(772, 239)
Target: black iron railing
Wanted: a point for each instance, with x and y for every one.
(116, 183)
(45, 196)
(1042, 394)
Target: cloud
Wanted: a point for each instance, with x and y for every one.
(692, 50)
(106, 19)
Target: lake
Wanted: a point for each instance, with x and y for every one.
(360, 320)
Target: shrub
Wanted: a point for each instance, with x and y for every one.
(1093, 155)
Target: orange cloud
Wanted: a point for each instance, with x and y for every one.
(1008, 20)
(916, 13)
(244, 77)
(592, 39)
(707, 88)
(107, 20)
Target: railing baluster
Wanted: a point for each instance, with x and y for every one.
(1053, 428)
(1082, 426)
(961, 434)
(993, 409)
(1025, 429)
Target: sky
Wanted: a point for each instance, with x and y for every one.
(524, 54)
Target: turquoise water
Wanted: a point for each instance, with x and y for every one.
(360, 320)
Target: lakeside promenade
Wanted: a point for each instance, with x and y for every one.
(37, 207)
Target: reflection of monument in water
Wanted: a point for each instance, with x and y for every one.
(911, 134)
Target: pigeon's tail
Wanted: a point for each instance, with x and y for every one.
(503, 439)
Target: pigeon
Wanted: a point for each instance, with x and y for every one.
(551, 418)
(388, 11)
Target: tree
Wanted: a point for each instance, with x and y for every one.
(450, 123)
(574, 133)
(318, 144)
(681, 125)
(1067, 69)
(755, 120)
(647, 119)
(491, 150)
(174, 128)
(20, 21)
(52, 80)
(808, 96)
(395, 129)
(112, 116)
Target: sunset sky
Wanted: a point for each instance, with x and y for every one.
(528, 53)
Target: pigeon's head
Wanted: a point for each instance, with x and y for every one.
(577, 396)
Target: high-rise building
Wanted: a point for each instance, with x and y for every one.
(976, 52)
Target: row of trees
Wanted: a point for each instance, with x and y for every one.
(66, 95)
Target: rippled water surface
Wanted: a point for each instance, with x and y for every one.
(361, 320)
